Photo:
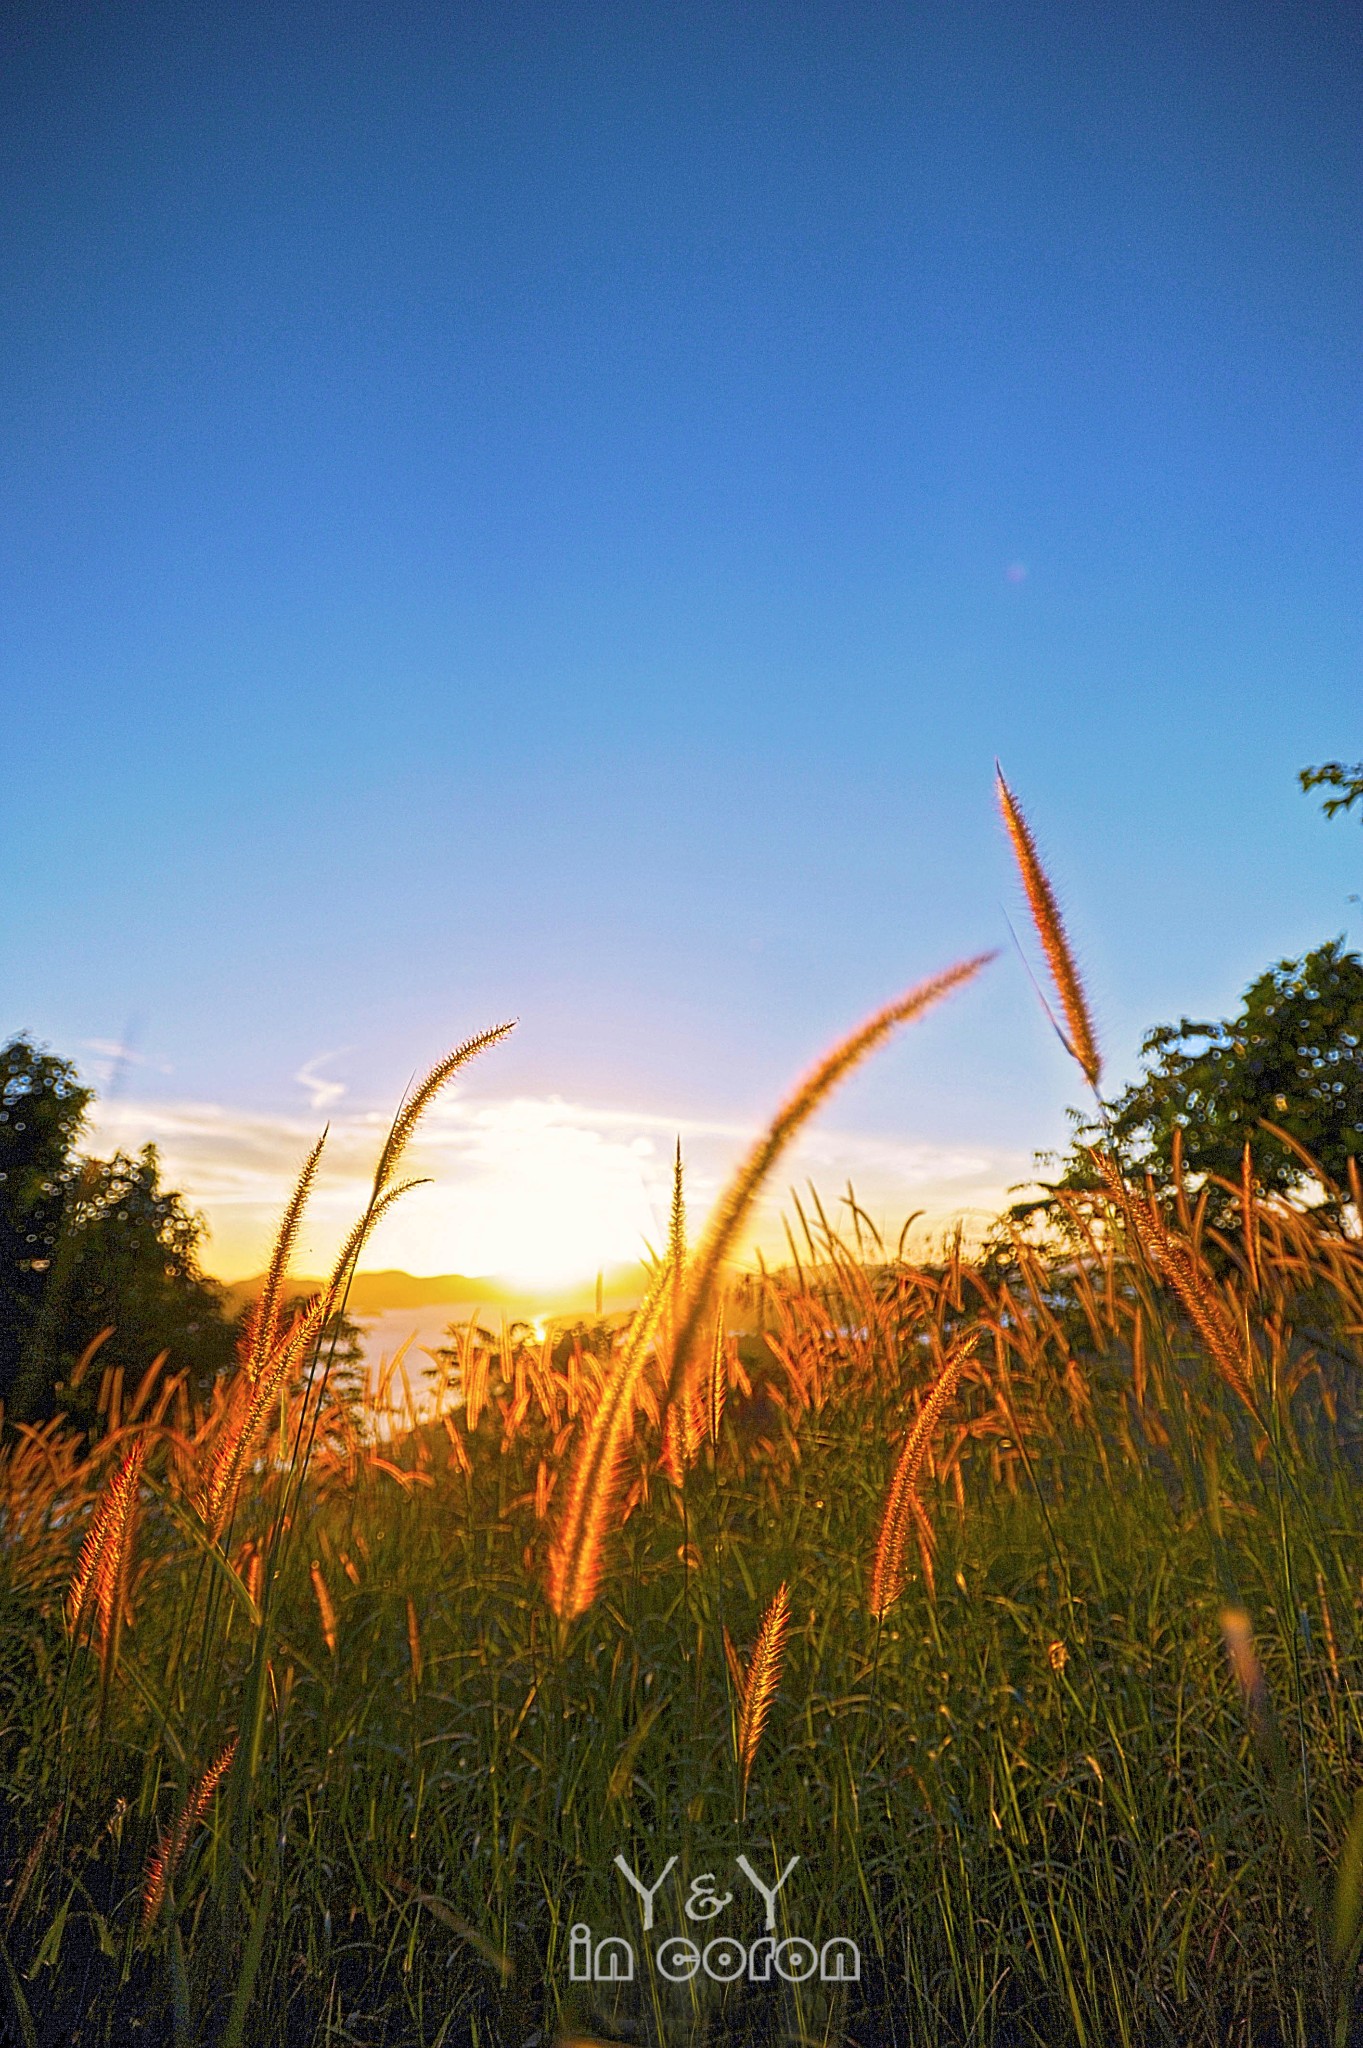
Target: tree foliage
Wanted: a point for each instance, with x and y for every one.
(88, 1245)
(42, 1108)
(1346, 780)
(128, 1261)
(1290, 1063)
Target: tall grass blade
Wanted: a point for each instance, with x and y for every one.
(591, 1500)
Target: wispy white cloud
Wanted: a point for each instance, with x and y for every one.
(322, 1092)
(537, 1189)
(113, 1056)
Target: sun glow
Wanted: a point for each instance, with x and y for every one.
(537, 1200)
(537, 1193)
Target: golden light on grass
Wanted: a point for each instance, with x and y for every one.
(592, 1503)
(271, 1359)
(348, 1258)
(684, 1417)
(719, 1378)
(732, 1210)
(267, 1357)
(1078, 1391)
(1078, 1035)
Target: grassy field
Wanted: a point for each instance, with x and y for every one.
(1017, 1598)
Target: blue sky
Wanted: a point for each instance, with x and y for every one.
(553, 510)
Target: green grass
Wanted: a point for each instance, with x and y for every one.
(1035, 1796)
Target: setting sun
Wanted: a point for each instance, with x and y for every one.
(544, 1202)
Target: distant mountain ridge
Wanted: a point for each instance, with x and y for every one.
(373, 1294)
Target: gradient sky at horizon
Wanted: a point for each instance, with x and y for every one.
(552, 511)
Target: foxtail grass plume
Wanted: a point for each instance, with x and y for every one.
(683, 1421)
(269, 1355)
(764, 1678)
(217, 1496)
(348, 1256)
(719, 1377)
(325, 1610)
(42, 1843)
(163, 1865)
(424, 1094)
(1237, 1632)
(684, 1431)
(735, 1204)
(1185, 1271)
(902, 1505)
(1249, 1216)
(262, 1327)
(414, 1641)
(100, 1578)
(676, 1221)
(1078, 1035)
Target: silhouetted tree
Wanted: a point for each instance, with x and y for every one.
(88, 1245)
(128, 1259)
(42, 1108)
